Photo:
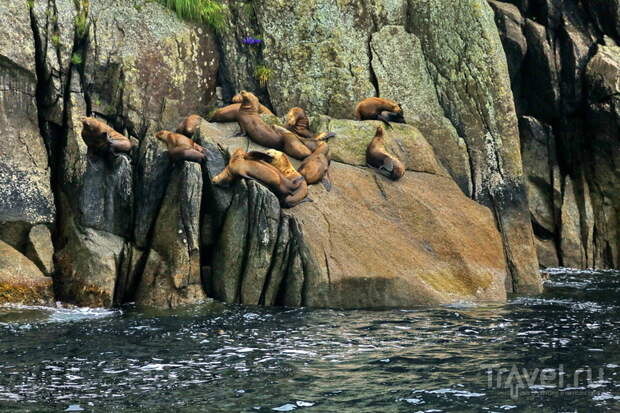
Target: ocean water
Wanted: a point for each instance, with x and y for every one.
(559, 352)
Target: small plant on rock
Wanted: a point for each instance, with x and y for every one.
(262, 74)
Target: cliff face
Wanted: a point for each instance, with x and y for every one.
(140, 228)
(565, 68)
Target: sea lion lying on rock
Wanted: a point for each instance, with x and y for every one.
(180, 147)
(256, 129)
(315, 168)
(382, 109)
(189, 125)
(229, 113)
(257, 165)
(377, 157)
(291, 144)
(297, 122)
(101, 138)
(281, 162)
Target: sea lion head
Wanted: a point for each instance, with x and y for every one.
(238, 98)
(163, 135)
(282, 163)
(249, 101)
(379, 134)
(89, 124)
(293, 116)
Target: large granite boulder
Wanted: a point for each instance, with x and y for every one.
(370, 242)
(21, 282)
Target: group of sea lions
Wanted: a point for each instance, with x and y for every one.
(273, 167)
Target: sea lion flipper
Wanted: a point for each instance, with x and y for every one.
(326, 181)
(258, 156)
(388, 165)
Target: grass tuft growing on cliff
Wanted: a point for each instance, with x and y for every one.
(210, 12)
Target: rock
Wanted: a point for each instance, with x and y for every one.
(106, 196)
(441, 247)
(468, 67)
(606, 14)
(26, 197)
(573, 254)
(88, 263)
(541, 73)
(603, 122)
(547, 253)
(400, 68)
(40, 249)
(172, 275)
(153, 170)
(404, 141)
(540, 164)
(510, 24)
(21, 282)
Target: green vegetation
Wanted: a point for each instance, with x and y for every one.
(210, 12)
(81, 18)
(76, 59)
(55, 40)
(262, 74)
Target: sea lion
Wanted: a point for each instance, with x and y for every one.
(315, 168)
(297, 122)
(180, 147)
(262, 109)
(291, 144)
(377, 157)
(230, 112)
(189, 125)
(382, 109)
(281, 162)
(101, 138)
(256, 129)
(257, 165)
(226, 114)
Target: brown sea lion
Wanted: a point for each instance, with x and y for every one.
(262, 109)
(101, 138)
(226, 114)
(230, 112)
(281, 162)
(377, 157)
(297, 122)
(315, 168)
(189, 125)
(382, 109)
(257, 165)
(256, 129)
(291, 144)
(180, 147)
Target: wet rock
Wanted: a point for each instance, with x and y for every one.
(21, 282)
(172, 275)
(88, 265)
(573, 254)
(40, 248)
(547, 253)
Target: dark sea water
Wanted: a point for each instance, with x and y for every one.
(556, 353)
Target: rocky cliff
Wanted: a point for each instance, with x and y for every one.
(564, 66)
(140, 228)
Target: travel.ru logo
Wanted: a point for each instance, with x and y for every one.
(541, 381)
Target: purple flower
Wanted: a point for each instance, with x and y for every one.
(251, 40)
